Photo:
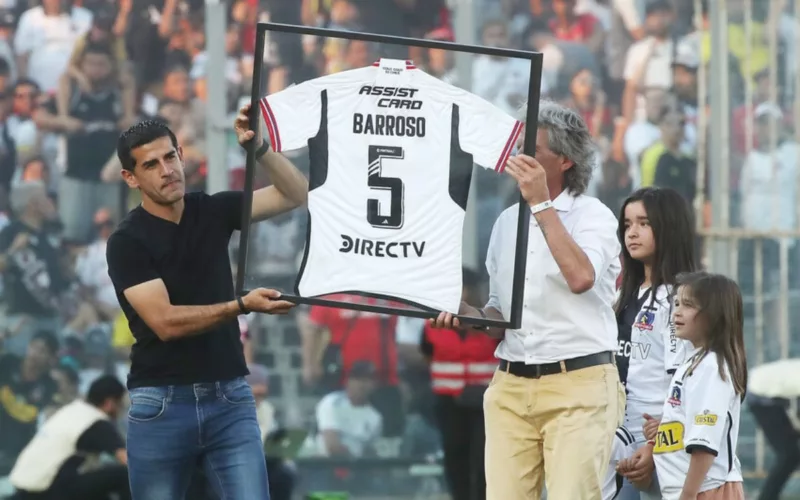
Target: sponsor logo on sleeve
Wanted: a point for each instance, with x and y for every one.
(707, 418)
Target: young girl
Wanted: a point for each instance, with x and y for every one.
(695, 445)
(657, 237)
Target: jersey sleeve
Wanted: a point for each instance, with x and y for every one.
(129, 263)
(707, 410)
(486, 132)
(292, 116)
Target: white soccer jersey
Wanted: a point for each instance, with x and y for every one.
(701, 413)
(653, 353)
(624, 447)
(391, 151)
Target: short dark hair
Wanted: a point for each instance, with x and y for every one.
(49, 339)
(658, 7)
(137, 136)
(104, 388)
(98, 48)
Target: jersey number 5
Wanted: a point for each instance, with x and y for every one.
(392, 184)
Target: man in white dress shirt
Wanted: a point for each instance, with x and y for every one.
(555, 401)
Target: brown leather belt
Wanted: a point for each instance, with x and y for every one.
(520, 369)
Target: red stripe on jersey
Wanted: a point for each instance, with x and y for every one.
(272, 125)
(409, 64)
(512, 139)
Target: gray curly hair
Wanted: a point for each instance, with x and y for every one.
(567, 135)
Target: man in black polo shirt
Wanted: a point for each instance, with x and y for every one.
(169, 263)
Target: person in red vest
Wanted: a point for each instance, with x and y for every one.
(462, 363)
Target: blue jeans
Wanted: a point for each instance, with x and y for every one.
(173, 428)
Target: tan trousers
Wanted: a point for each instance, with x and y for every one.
(558, 428)
(728, 491)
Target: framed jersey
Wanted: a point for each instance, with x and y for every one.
(391, 153)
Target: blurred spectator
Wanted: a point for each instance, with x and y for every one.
(500, 80)
(347, 424)
(570, 26)
(21, 127)
(25, 389)
(91, 269)
(773, 393)
(91, 124)
(62, 458)
(67, 380)
(587, 96)
(44, 39)
(33, 276)
(768, 191)
(8, 70)
(559, 57)
(335, 340)
(147, 25)
(672, 167)
(648, 64)
(95, 357)
(101, 33)
(762, 88)
(768, 182)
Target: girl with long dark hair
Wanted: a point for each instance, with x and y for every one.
(657, 234)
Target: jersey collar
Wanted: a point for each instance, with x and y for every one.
(409, 64)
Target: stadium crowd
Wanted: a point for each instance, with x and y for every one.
(75, 73)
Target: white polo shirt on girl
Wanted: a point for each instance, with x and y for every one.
(701, 413)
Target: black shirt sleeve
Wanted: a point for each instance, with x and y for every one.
(129, 263)
(228, 206)
(101, 437)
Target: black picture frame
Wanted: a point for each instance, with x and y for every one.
(523, 219)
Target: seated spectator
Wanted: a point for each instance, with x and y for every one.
(53, 465)
(347, 424)
(26, 389)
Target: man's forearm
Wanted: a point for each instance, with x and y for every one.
(571, 259)
(286, 178)
(186, 321)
